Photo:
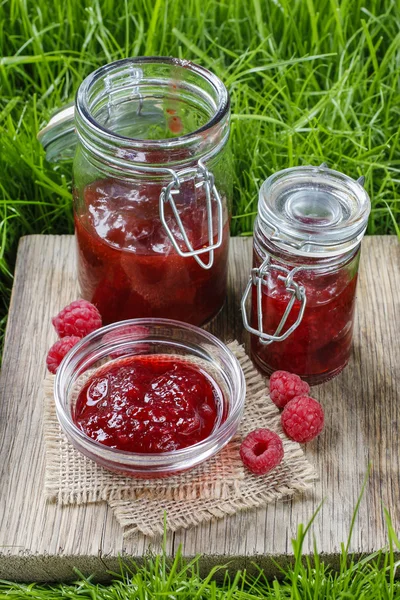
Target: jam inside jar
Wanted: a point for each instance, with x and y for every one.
(305, 263)
(320, 346)
(127, 265)
(152, 179)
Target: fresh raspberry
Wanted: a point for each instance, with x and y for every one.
(59, 350)
(261, 451)
(302, 419)
(130, 332)
(78, 318)
(284, 386)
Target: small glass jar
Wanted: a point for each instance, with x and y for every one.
(152, 188)
(146, 337)
(307, 237)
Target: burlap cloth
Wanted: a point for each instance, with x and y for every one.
(220, 486)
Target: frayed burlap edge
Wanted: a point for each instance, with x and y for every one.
(294, 475)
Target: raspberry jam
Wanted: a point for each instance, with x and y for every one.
(307, 239)
(148, 404)
(320, 346)
(127, 265)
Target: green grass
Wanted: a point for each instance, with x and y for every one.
(371, 577)
(310, 82)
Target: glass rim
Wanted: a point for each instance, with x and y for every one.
(222, 109)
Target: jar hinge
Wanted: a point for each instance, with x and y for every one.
(206, 179)
(297, 292)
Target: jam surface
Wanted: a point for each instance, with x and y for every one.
(319, 348)
(149, 404)
(127, 265)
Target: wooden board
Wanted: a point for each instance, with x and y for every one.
(40, 541)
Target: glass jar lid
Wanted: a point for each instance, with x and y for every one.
(313, 211)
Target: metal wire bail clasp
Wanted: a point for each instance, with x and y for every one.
(205, 179)
(297, 292)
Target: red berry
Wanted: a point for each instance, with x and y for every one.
(261, 451)
(284, 386)
(59, 350)
(303, 419)
(78, 318)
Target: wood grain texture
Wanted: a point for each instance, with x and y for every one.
(40, 541)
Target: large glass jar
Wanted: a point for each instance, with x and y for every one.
(152, 189)
(306, 252)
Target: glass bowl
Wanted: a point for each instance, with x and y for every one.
(145, 337)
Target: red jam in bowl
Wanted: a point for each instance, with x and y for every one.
(127, 265)
(148, 404)
(319, 348)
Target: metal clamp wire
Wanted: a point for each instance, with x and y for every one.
(207, 180)
(297, 292)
